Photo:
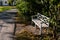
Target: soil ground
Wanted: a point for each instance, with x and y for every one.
(29, 28)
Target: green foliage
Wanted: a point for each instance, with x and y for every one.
(45, 7)
(23, 6)
(10, 2)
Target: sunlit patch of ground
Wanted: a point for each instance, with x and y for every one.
(4, 8)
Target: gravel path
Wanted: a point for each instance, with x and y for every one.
(6, 26)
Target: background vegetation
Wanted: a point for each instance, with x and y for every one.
(10, 2)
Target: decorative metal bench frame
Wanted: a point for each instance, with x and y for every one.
(43, 19)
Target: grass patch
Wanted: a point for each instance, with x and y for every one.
(4, 8)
